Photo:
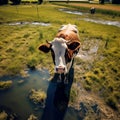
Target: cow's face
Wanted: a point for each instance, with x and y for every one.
(62, 53)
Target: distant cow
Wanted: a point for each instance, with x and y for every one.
(64, 48)
(92, 10)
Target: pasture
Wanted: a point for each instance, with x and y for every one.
(98, 71)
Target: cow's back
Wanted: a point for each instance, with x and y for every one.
(68, 32)
(68, 35)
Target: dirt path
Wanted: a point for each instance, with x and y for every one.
(105, 6)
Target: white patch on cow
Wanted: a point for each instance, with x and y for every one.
(59, 47)
(69, 27)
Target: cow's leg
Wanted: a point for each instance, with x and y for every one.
(63, 78)
(59, 78)
(66, 79)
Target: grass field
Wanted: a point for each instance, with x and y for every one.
(19, 46)
(99, 6)
(106, 9)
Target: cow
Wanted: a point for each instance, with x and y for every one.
(64, 47)
(92, 10)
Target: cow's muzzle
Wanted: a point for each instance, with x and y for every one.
(60, 69)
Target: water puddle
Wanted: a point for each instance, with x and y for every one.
(29, 23)
(15, 102)
(114, 23)
(89, 50)
(16, 98)
(71, 12)
(105, 22)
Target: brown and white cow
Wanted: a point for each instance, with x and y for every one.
(63, 47)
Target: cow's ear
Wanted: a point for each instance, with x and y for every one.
(75, 45)
(44, 48)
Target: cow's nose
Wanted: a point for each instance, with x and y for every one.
(60, 69)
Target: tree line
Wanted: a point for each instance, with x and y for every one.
(112, 1)
(15, 2)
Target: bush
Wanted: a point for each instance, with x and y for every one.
(16, 2)
(115, 1)
(37, 96)
(2, 2)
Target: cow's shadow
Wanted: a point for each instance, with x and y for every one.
(57, 98)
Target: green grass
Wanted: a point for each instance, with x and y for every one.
(19, 46)
(104, 76)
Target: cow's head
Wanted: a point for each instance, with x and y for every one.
(62, 52)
